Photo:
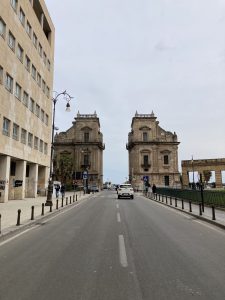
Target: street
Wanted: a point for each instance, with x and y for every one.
(109, 249)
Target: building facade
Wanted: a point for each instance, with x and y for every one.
(79, 150)
(153, 153)
(26, 81)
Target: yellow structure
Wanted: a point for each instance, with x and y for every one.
(153, 153)
(26, 81)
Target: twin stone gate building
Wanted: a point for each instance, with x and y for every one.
(153, 153)
(79, 150)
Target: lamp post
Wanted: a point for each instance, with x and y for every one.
(193, 178)
(66, 97)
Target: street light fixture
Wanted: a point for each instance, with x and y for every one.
(67, 98)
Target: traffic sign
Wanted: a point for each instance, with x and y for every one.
(145, 178)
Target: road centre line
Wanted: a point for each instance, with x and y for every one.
(118, 217)
(122, 252)
(117, 205)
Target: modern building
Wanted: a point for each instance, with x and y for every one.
(26, 81)
(78, 153)
(153, 153)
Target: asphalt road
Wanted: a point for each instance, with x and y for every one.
(109, 249)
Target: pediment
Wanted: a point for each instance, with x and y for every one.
(144, 128)
(86, 128)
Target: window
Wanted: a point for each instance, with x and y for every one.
(145, 136)
(33, 72)
(43, 86)
(86, 160)
(36, 143)
(42, 115)
(22, 17)
(145, 160)
(166, 180)
(27, 171)
(9, 83)
(46, 148)
(41, 146)
(30, 139)
(166, 159)
(6, 127)
(40, 49)
(12, 168)
(2, 28)
(18, 91)
(44, 58)
(1, 74)
(20, 53)
(15, 131)
(48, 65)
(14, 4)
(25, 99)
(28, 29)
(11, 41)
(39, 79)
(47, 92)
(34, 40)
(86, 137)
(46, 119)
(27, 63)
(37, 110)
(31, 105)
(23, 136)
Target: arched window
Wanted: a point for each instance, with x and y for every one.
(145, 136)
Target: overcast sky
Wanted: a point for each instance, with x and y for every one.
(119, 56)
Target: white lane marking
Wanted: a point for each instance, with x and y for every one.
(35, 226)
(210, 226)
(117, 205)
(118, 217)
(122, 252)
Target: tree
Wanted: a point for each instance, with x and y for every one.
(65, 168)
(207, 175)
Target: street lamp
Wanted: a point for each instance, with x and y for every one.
(66, 97)
(193, 173)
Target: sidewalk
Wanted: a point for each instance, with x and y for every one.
(207, 215)
(9, 210)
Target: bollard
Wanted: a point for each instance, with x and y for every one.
(32, 213)
(171, 201)
(76, 197)
(70, 199)
(62, 202)
(175, 202)
(73, 198)
(57, 204)
(50, 208)
(213, 213)
(0, 224)
(200, 209)
(43, 209)
(159, 197)
(18, 217)
(190, 207)
(182, 201)
(66, 200)
(166, 200)
(156, 197)
(162, 198)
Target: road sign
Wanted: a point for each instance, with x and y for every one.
(145, 178)
(85, 175)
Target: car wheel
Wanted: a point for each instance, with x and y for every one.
(132, 197)
(118, 197)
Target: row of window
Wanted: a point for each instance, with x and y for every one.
(21, 134)
(27, 62)
(25, 23)
(23, 96)
(146, 160)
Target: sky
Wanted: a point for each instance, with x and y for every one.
(117, 57)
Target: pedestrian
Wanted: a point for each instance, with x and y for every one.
(57, 189)
(154, 188)
(62, 190)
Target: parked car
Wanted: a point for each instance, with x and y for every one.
(125, 190)
(93, 188)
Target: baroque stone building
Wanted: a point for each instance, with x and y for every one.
(153, 153)
(79, 150)
(26, 80)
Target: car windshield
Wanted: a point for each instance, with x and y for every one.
(125, 186)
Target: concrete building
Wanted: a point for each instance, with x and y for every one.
(26, 81)
(153, 153)
(78, 150)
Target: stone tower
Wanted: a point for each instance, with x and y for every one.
(78, 150)
(153, 153)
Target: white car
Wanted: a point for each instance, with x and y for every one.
(125, 190)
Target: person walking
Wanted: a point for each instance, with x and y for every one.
(62, 190)
(57, 189)
(154, 188)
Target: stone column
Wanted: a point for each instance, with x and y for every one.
(218, 177)
(185, 177)
(20, 175)
(33, 180)
(43, 176)
(4, 178)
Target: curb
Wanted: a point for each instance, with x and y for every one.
(189, 213)
(14, 230)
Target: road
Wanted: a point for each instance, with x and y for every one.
(109, 249)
